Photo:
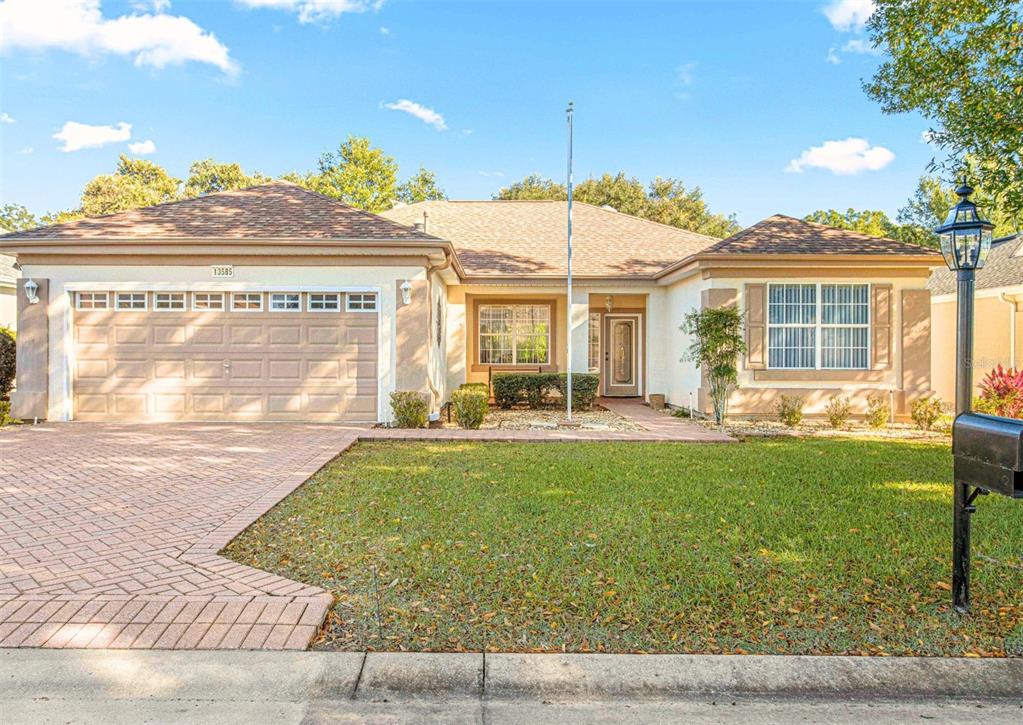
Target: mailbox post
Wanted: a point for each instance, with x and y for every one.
(965, 241)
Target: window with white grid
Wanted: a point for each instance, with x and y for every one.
(247, 301)
(285, 302)
(92, 300)
(320, 302)
(811, 326)
(361, 302)
(208, 301)
(514, 334)
(167, 301)
(130, 301)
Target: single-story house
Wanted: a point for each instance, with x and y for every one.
(276, 303)
(997, 333)
(8, 285)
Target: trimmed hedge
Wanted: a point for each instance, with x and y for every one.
(535, 389)
(584, 389)
(7, 361)
(470, 406)
(481, 387)
(410, 408)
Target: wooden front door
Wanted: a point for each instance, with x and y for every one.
(622, 355)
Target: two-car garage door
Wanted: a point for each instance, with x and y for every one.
(155, 355)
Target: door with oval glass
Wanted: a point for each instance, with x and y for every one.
(622, 354)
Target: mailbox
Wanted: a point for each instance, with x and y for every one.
(988, 453)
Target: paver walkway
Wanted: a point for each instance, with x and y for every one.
(109, 533)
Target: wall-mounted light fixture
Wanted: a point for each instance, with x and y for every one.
(406, 292)
(609, 303)
(30, 291)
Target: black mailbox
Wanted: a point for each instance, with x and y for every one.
(988, 453)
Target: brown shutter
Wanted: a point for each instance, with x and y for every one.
(881, 326)
(756, 328)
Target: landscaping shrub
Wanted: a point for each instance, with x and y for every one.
(790, 410)
(584, 389)
(7, 361)
(925, 412)
(507, 390)
(470, 406)
(877, 411)
(1001, 393)
(410, 408)
(481, 387)
(838, 412)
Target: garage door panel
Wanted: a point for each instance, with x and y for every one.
(160, 365)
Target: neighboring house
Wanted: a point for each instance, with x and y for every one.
(276, 303)
(997, 334)
(8, 285)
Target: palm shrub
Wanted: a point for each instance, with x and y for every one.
(838, 410)
(8, 362)
(1001, 393)
(877, 411)
(716, 347)
(410, 408)
(925, 412)
(790, 410)
(470, 407)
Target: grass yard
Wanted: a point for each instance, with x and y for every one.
(791, 546)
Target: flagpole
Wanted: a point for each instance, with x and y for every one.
(568, 402)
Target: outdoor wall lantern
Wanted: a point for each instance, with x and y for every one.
(30, 291)
(406, 292)
(987, 449)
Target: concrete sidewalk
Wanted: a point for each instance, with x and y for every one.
(138, 686)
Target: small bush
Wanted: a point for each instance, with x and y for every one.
(507, 390)
(470, 407)
(8, 354)
(1001, 393)
(877, 411)
(584, 389)
(925, 412)
(5, 412)
(410, 408)
(481, 387)
(790, 410)
(536, 389)
(838, 412)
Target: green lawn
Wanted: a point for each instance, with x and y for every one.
(793, 546)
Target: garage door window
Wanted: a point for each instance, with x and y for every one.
(92, 300)
(285, 302)
(247, 301)
(361, 302)
(167, 301)
(324, 302)
(130, 301)
(208, 301)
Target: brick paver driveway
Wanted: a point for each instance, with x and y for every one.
(109, 534)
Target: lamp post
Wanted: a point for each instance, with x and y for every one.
(965, 241)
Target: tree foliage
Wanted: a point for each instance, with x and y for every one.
(717, 343)
(959, 63)
(357, 174)
(208, 176)
(421, 186)
(664, 200)
(15, 217)
(136, 183)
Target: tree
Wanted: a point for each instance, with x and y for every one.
(665, 200)
(717, 343)
(207, 177)
(15, 217)
(135, 184)
(932, 200)
(422, 186)
(357, 174)
(59, 217)
(959, 63)
(874, 223)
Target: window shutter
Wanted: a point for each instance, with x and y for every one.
(881, 326)
(756, 328)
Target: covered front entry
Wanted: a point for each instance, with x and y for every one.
(622, 365)
(231, 356)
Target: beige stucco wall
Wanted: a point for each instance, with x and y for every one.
(8, 307)
(995, 341)
(64, 278)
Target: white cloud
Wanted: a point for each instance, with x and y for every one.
(833, 57)
(26, 150)
(491, 173)
(315, 11)
(76, 136)
(157, 6)
(850, 156)
(847, 15)
(78, 26)
(684, 73)
(384, 30)
(5, 117)
(424, 114)
(140, 148)
(861, 46)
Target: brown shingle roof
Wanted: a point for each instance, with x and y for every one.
(780, 234)
(278, 210)
(510, 238)
(1003, 268)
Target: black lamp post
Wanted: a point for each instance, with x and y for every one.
(965, 242)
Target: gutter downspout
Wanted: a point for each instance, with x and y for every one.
(429, 347)
(1004, 297)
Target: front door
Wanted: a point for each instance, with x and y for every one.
(622, 359)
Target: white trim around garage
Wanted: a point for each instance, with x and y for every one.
(211, 287)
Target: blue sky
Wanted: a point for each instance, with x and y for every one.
(739, 98)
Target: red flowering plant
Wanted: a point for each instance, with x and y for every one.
(1001, 393)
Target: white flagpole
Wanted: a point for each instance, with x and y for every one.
(568, 402)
